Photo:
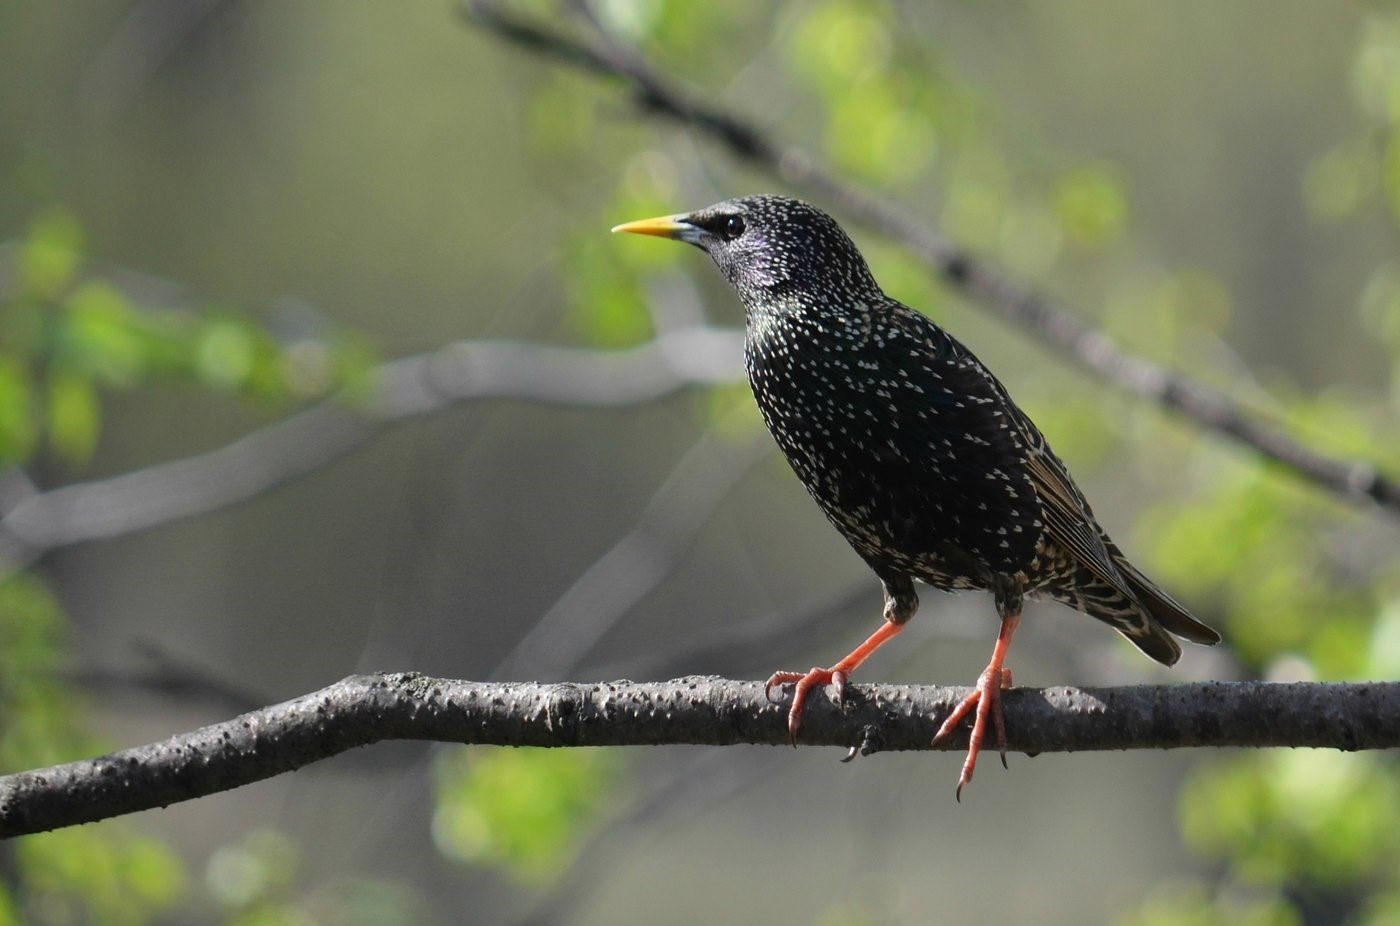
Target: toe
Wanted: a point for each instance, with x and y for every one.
(838, 682)
(778, 679)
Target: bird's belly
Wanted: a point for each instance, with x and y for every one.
(893, 527)
(874, 452)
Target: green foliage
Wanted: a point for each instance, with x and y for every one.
(254, 874)
(39, 713)
(118, 879)
(90, 874)
(1340, 180)
(1304, 593)
(1291, 575)
(1249, 544)
(1298, 815)
(609, 308)
(887, 105)
(1298, 582)
(1185, 906)
(258, 882)
(1091, 203)
(65, 339)
(522, 811)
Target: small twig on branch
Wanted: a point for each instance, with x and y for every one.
(311, 439)
(698, 710)
(603, 55)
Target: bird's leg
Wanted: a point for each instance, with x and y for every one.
(836, 675)
(900, 604)
(986, 698)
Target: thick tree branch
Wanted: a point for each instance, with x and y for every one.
(711, 711)
(406, 388)
(600, 54)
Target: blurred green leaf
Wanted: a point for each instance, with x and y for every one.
(1340, 180)
(354, 361)
(119, 881)
(50, 255)
(260, 867)
(1189, 906)
(521, 810)
(224, 353)
(1376, 68)
(837, 42)
(19, 429)
(74, 416)
(1384, 648)
(9, 915)
(99, 874)
(634, 20)
(1318, 815)
(1091, 203)
(102, 338)
(606, 301)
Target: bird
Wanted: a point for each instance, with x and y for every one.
(913, 450)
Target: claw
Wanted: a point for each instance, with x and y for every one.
(999, 718)
(802, 685)
(986, 698)
(838, 681)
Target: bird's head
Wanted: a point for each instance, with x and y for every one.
(771, 248)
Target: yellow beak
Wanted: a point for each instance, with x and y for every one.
(666, 226)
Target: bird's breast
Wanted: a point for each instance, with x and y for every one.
(899, 437)
(834, 409)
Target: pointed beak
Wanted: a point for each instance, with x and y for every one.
(666, 226)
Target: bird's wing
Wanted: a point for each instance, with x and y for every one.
(1068, 520)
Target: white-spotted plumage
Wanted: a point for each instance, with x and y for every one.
(913, 450)
(910, 446)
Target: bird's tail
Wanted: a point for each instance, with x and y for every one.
(1136, 608)
(1165, 609)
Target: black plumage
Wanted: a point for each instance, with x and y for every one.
(910, 446)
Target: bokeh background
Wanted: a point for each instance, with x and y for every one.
(216, 213)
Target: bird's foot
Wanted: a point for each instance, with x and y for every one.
(802, 685)
(986, 698)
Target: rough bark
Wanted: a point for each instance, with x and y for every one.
(711, 711)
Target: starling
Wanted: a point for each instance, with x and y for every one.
(912, 449)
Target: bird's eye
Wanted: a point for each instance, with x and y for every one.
(731, 228)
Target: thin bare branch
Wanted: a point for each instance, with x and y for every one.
(166, 675)
(599, 53)
(639, 562)
(406, 388)
(710, 711)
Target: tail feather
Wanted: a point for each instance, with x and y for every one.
(1163, 607)
(1125, 614)
(1136, 608)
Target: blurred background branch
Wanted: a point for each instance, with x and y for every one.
(39, 521)
(599, 52)
(1211, 202)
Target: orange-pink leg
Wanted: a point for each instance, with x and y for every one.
(986, 697)
(836, 675)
